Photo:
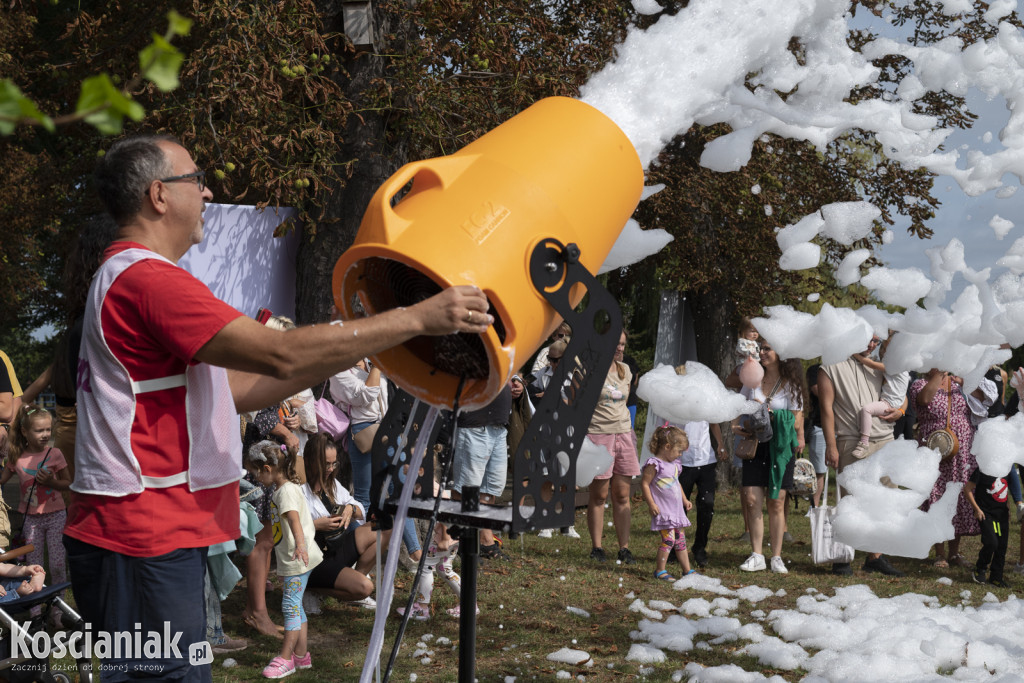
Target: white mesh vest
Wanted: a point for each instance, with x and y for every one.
(104, 461)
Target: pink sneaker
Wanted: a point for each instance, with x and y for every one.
(303, 662)
(457, 611)
(279, 667)
(419, 612)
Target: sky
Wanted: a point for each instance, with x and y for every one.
(960, 216)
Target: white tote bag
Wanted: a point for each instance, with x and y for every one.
(824, 546)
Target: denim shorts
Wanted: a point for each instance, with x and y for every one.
(481, 459)
(816, 450)
(12, 586)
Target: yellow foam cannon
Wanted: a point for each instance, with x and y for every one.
(560, 169)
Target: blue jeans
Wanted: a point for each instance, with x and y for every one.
(114, 592)
(362, 476)
(362, 466)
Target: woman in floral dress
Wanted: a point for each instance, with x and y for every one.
(932, 395)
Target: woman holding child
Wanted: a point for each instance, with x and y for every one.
(769, 473)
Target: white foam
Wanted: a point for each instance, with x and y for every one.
(865, 518)
(848, 270)
(633, 245)
(776, 653)
(592, 461)
(859, 636)
(997, 443)
(645, 654)
(569, 656)
(1000, 226)
(847, 222)
(646, 6)
(834, 333)
(697, 396)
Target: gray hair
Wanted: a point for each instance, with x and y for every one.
(126, 171)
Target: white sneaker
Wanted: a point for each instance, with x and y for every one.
(571, 533)
(310, 603)
(544, 533)
(778, 565)
(1018, 568)
(366, 603)
(754, 563)
(1020, 511)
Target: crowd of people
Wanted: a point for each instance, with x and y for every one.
(162, 381)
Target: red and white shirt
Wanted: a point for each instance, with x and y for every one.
(154, 318)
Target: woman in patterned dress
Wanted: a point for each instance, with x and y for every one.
(932, 395)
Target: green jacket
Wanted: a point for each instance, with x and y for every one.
(780, 449)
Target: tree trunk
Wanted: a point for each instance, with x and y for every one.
(374, 160)
(714, 323)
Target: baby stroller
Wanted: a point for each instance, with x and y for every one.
(15, 616)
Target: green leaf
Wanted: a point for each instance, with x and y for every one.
(14, 106)
(178, 25)
(160, 62)
(107, 104)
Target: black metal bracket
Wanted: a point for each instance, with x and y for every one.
(544, 465)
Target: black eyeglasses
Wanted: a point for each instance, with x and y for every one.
(332, 464)
(200, 177)
(554, 359)
(766, 348)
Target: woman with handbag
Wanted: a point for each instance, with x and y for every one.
(349, 548)
(944, 423)
(362, 392)
(769, 445)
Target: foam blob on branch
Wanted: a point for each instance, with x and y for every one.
(801, 257)
(847, 222)
(848, 271)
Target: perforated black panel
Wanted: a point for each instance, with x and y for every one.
(544, 466)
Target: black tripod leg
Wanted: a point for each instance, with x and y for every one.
(469, 551)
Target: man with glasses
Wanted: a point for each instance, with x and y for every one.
(842, 389)
(542, 378)
(164, 370)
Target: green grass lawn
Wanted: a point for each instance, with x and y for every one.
(523, 607)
